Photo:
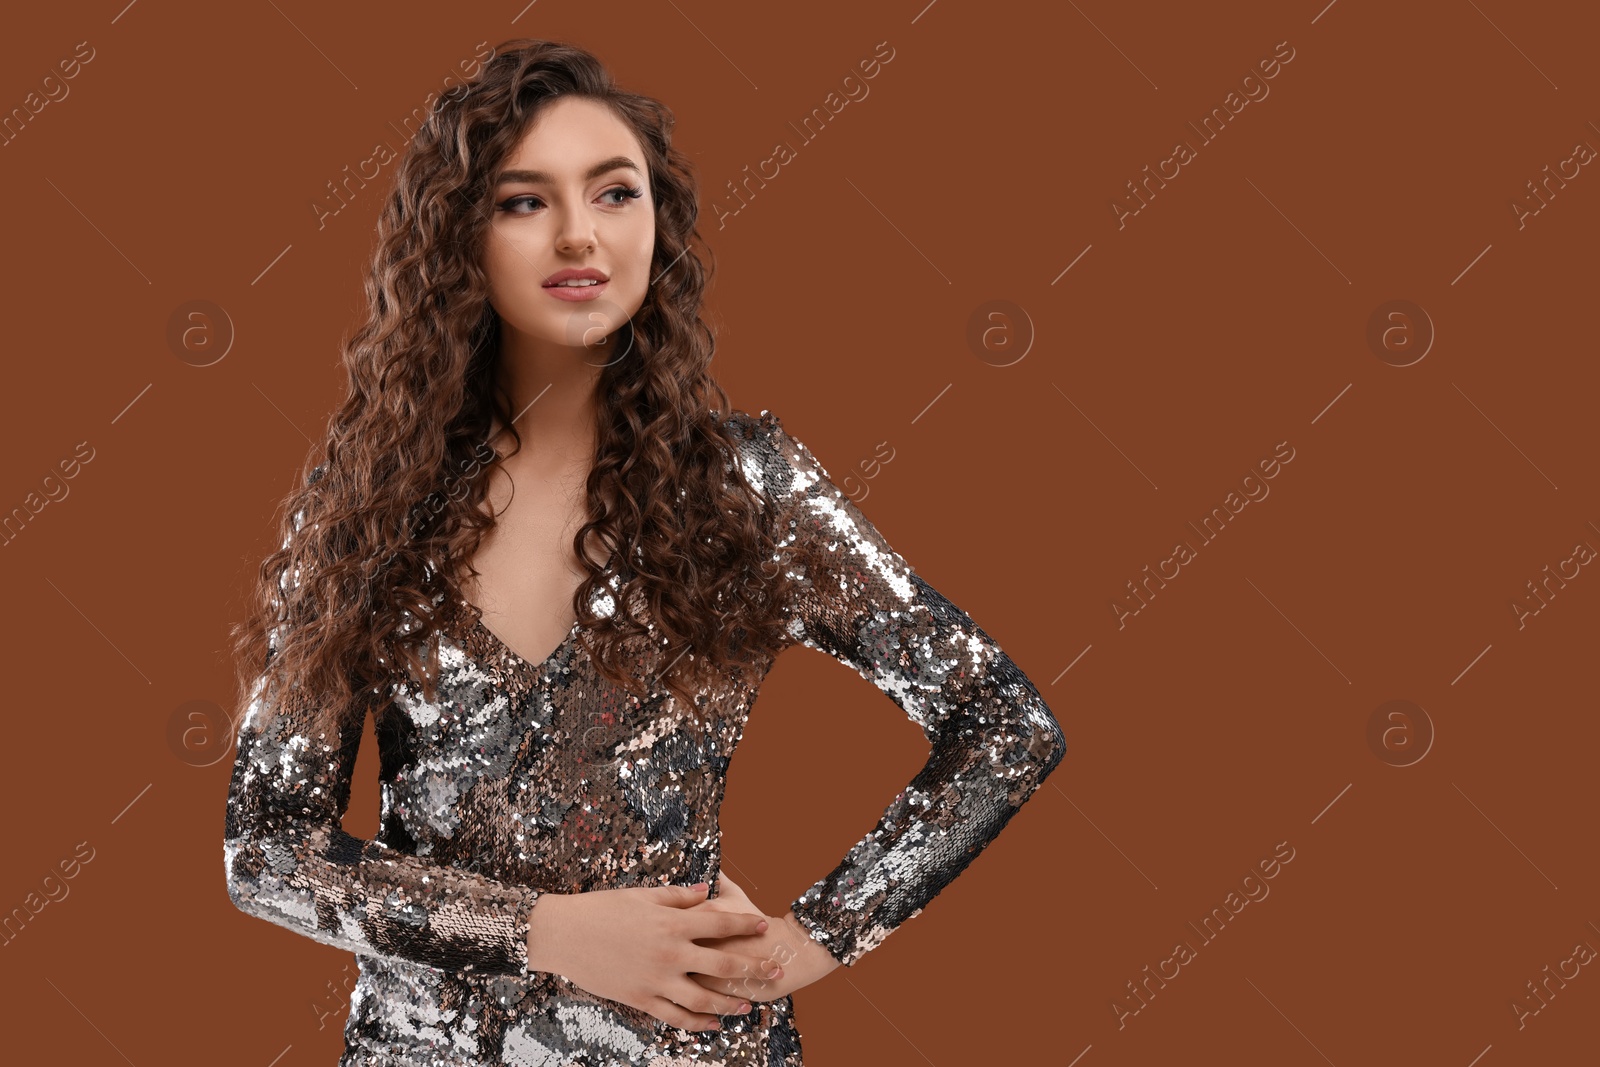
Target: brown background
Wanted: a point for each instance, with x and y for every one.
(1230, 314)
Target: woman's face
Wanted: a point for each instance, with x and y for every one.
(572, 196)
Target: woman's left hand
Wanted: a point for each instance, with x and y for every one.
(800, 958)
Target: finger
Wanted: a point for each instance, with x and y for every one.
(673, 1015)
(722, 904)
(748, 989)
(681, 896)
(692, 996)
(707, 923)
(751, 991)
(741, 967)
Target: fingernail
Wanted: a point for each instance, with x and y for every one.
(761, 926)
(701, 885)
(774, 972)
(744, 1008)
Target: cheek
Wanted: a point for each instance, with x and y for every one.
(644, 238)
(497, 262)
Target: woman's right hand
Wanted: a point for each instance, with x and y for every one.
(636, 945)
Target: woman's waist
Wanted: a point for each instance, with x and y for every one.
(404, 1007)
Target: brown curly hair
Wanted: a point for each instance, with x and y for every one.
(391, 499)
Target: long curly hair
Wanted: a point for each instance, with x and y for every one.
(389, 503)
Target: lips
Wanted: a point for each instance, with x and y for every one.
(576, 293)
(576, 274)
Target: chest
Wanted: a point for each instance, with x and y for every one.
(528, 571)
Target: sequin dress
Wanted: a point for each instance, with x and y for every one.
(529, 777)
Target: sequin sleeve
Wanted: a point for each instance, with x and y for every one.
(992, 738)
(289, 861)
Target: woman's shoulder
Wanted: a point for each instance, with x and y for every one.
(759, 438)
(748, 427)
(762, 437)
(773, 459)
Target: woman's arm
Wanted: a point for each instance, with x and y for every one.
(289, 861)
(993, 739)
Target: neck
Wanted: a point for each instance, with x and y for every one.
(554, 396)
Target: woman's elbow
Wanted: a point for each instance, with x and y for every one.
(240, 877)
(1048, 744)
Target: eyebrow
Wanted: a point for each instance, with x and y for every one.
(539, 177)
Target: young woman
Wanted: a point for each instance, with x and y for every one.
(545, 555)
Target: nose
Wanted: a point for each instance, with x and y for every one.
(577, 232)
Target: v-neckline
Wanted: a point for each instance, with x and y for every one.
(503, 649)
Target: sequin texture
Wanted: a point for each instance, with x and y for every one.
(523, 778)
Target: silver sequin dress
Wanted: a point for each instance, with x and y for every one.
(528, 777)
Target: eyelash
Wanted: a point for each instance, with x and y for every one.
(632, 192)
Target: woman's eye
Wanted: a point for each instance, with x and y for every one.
(626, 192)
(622, 192)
